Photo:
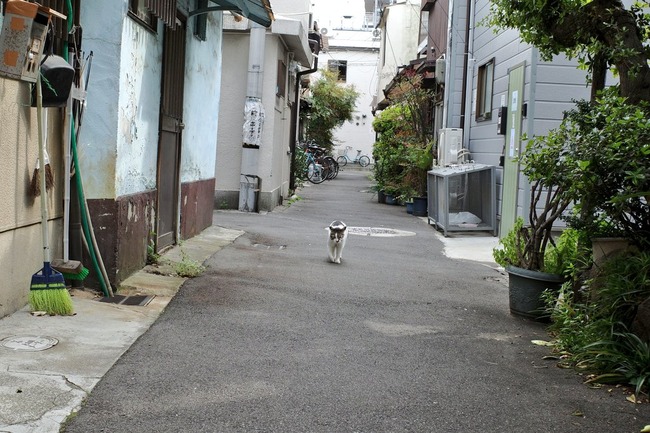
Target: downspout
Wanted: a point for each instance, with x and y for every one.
(294, 123)
(448, 68)
(468, 76)
(250, 182)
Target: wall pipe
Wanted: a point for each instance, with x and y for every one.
(294, 122)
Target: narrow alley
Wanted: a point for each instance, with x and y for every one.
(397, 338)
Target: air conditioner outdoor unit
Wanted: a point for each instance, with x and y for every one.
(440, 69)
(450, 143)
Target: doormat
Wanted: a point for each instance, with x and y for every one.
(134, 300)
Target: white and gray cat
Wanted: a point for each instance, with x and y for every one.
(338, 233)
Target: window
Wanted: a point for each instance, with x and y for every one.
(484, 91)
(281, 87)
(340, 67)
(139, 11)
(201, 20)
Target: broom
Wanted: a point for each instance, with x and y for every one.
(47, 291)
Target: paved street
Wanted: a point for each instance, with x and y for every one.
(398, 338)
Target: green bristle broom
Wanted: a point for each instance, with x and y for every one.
(47, 291)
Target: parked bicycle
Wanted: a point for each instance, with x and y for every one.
(362, 160)
(320, 167)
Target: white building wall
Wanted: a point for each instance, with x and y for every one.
(201, 101)
(138, 112)
(399, 40)
(103, 35)
(231, 116)
(362, 74)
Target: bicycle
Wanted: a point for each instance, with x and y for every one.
(319, 166)
(362, 160)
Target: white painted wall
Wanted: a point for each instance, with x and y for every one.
(202, 101)
(330, 14)
(399, 40)
(103, 35)
(231, 116)
(362, 74)
(119, 150)
(138, 110)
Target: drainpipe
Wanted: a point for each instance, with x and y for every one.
(468, 76)
(294, 122)
(449, 56)
(250, 182)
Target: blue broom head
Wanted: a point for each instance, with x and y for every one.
(47, 278)
(48, 292)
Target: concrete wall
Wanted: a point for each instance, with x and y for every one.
(21, 243)
(231, 119)
(273, 158)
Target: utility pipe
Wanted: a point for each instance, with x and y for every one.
(253, 117)
(294, 122)
(468, 75)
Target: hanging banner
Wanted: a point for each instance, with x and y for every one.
(253, 122)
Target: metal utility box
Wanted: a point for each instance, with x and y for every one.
(462, 198)
(22, 39)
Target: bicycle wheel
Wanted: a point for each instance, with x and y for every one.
(342, 160)
(315, 173)
(330, 166)
(364, 161)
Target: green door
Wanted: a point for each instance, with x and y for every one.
(512, 149)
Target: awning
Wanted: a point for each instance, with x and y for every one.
(258, 11)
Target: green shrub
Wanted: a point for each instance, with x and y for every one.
(560, 257)
(592, 324)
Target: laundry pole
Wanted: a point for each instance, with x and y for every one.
(250, 181)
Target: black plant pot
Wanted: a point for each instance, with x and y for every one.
(526, 288)
(419, 206)
(381, 196)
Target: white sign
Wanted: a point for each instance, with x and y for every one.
(253, 121)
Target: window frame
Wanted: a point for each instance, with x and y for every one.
(138, 7)
(340, 67)
(201, 21)
(485, 90)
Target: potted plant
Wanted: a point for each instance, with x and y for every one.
(534, 261)
(418, 158)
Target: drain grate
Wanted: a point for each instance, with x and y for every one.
(133, 300)
(29, 343)
(378, 231)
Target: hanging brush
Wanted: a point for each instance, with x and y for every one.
(36, 176)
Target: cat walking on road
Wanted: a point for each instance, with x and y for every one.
(338, 234)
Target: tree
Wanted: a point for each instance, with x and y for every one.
(601, 34)
(331, 105)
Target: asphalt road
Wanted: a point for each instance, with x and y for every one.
(398, 338)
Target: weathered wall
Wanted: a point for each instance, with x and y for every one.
(21, 243)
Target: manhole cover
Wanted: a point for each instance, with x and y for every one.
(29, 343)
(378, 231)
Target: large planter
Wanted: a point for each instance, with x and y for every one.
(526, 288)
(603, 247)
(420, 206)
(391, 199)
